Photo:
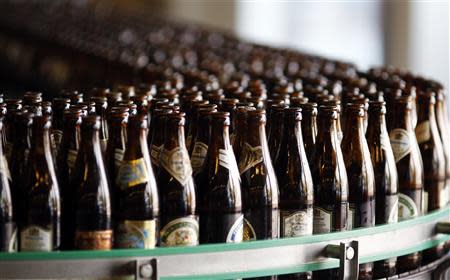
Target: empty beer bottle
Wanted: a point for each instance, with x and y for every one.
(409, 164)
(41, 228)
(8, 228)
(177, 191)
(432, 152)
(93, 229)
(219, 198)
(330, 180)
(386, 179)
(295, 183)
(360, 176)
(309, 129)
(138, 209)
(259, 183)
(70, 146)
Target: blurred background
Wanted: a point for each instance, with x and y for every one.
(409, 34)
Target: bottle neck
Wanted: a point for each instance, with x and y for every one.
(174, 136)
(257, 134)
(354, 129)
(403, 119)
(220, 138)
(137, 141)
(327, 132)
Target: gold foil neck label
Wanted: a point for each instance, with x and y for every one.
(400, 143)
(132, 173)
(94, 240)
(250, 156)
(176, 162)
(423, 133)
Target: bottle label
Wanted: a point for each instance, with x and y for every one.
(391, 206)
(236, 232)
(423, 132)
(36, 238)
(118, 157)
(262, 223)
(5, 169)
(228, 161)
(424, 202)
(176, 162)
(94, 240)
(154, 154)
(250, 156)
(8, 232)
(180, 232)
(249, 231)
(322, 222)
(400, 143)
(55, 139)
(297, 223)
(71, 159)
(198, 156)
(443, 198)
(407, 208)
(132, 173)
(136, 234)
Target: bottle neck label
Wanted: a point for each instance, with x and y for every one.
(176, 162)
(180, 232)
(118, 157)
(36, 238)
(400, 143)
(198, 156)
(8, 242)
(55, 140)
(155, 153)
(228, 161)
(94, 240)
(132, 173)
(136, 234)
(250, 156)
(296, 223)
(423, 132)
(407, 208)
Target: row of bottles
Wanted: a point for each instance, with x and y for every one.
(101, 177)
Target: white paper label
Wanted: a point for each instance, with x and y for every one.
(322, 220)
(298, 223)
(35, 238)
(176, 162)
(180, 232)
(400, 143)
(118, 157)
